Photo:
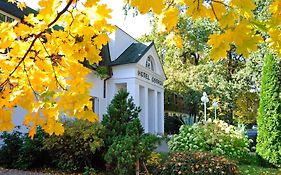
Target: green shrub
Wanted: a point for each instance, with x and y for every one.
(216, 137)
(269, 118)
(76, 148)
(21, 152)
(9, 152)
(195, 163)
(126, 143)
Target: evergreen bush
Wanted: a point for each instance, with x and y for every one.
(126, 144)
(269, 118)
(21, 152)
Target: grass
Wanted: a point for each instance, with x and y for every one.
(252, 166)
(257, 170)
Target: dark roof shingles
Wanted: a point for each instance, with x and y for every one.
(14, 10)
(132, 54)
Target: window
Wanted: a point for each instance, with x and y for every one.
(5, 18)
(95, 104)
(149, 63)
(10, 19)
(2, 18)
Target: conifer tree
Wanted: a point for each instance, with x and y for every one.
(126, 143)
(269, 119)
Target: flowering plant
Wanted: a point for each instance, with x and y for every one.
(214, 136)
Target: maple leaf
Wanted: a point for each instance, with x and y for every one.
(144, 6)
(21, 5)
(12, 1)
(174, 39)
(168, 19)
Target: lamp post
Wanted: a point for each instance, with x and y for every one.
(215, 105)
(205, 100)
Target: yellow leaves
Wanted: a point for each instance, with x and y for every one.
(6, 119)
(31, 19)
(168, 20)
(103, 12)
(48, 9)
(54, 127)
(220, 45)
(90, 3)
(144, 6)
(12, 1)
(275, 40)
(228, 20)
(22, 30)
(50, 81)
(218, 9)
(101, 40)
(7, 36)
(174, 39)
(21, 5)
(245, 41)
(275, 9)
(196, 9)
(245, 8)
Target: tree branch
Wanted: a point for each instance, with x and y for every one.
(34, 40)
(30, 85)
(214, 11)
(221, 3)
(55, 74)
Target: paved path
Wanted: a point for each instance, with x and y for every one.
(163, 147)
(20, 172)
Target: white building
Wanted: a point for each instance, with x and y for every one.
(132, 65)
(135, 67)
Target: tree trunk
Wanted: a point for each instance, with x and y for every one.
(138, 167)
(145, 168)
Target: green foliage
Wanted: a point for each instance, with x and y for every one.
(246, 108)
(216, 137)
(192, 163)
(189, 71)
(21, 152)
(125, 140)
(120, 113)
(269, 119)
(76, 148)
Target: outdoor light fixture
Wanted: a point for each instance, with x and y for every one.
(215, 105)
(205, 100)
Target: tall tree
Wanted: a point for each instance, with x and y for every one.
(42, 69)
(269, 119)
(126, 144)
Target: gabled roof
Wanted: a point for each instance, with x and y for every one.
(132, 54)
(14, 10)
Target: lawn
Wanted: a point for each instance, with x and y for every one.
(257, 170)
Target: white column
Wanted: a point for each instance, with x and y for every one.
(146, 109)
(161, 115)
(133, 89)
(156, 113)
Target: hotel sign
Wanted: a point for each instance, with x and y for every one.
(148, 77)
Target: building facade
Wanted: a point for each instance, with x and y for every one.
(131, 65)
(136, 67)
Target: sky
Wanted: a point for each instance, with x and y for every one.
(134, 26)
